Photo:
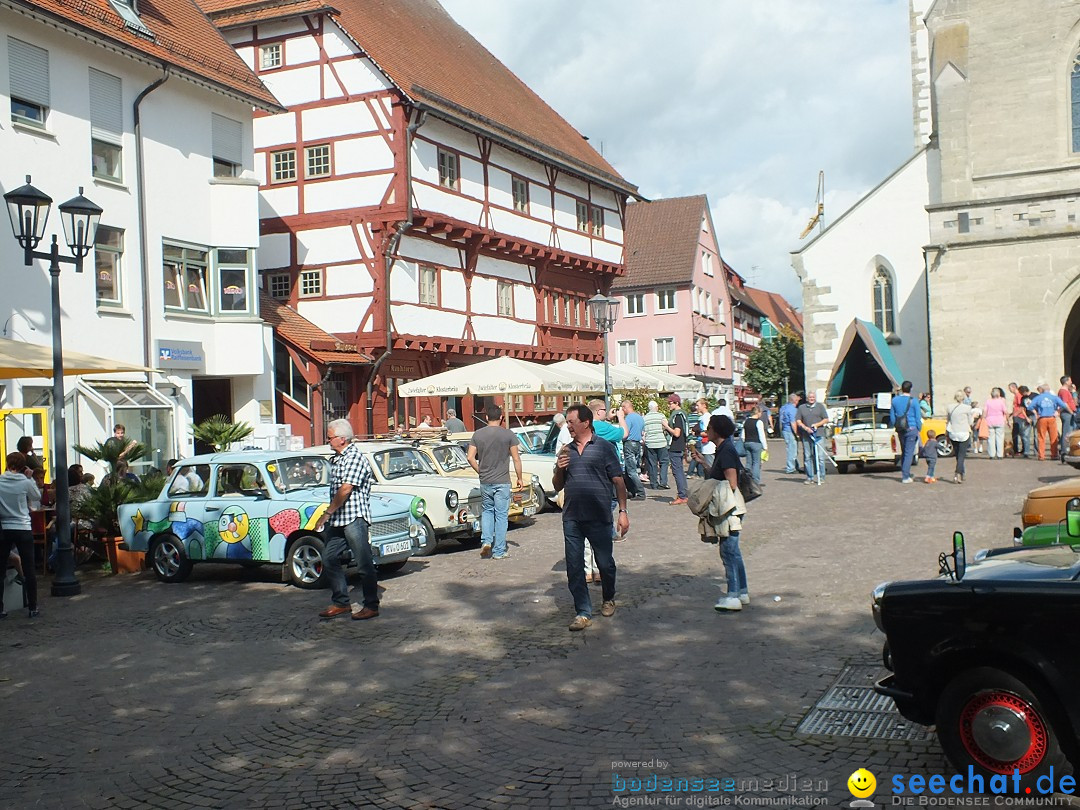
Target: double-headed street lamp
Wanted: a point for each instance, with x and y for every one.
(605, 311)
(29, 210)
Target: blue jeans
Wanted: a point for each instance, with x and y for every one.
(909, 440)
(791, 443)
(632, 464)
(931, 465)
(494, 507)
(753, 450)
(813, 458)
(656, 462)
(675, 459)
(354, 537)
(733, 565)
(598, 533)
(1021, 432)
(1066, 429)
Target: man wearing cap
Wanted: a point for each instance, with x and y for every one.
(676, 428)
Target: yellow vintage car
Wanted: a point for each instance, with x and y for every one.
(449, 458)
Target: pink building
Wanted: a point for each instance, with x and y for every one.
(675, 306)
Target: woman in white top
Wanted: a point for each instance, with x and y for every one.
(16, 492)
(958, 428)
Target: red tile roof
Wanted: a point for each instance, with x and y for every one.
(265, 12)
(183, 38)
(306, 336)
(776, 308)
(661, 241)
(439, 65)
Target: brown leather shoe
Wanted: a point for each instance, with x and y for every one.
(366, 613)
(607, 608)
(335, 610)
(678, 501)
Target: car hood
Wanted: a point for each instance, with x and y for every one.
(1044, 563)
(1062, 489)
(463, 487)
(307, 495)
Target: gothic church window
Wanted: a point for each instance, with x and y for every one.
(884, 318)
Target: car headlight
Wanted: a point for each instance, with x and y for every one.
(451, 499)
(536, 480)
(418, 507)
(879, 593)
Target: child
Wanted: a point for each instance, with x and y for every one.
(929, 452)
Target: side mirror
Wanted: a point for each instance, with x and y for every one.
(959, 555)
(1072, 517)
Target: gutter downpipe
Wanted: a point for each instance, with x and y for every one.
(388, 262)
(140, 184)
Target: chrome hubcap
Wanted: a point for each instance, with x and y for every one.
(1002, 732)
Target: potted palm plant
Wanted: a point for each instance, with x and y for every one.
(99, 508)
(219, 432)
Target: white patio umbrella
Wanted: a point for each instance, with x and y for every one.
(502, 375)
(19, 359)
(684, 386)
(622, 378)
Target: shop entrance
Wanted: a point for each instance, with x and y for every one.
(210, 396)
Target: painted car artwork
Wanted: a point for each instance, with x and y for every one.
(258, 507)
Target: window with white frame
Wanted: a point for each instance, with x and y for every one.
(582, 215)
(596, 220)
(270, 56)
(288, 377)
(311, 283)
(505, 296)
(520, 189)
(233, 269)
(556, 306)
(566, 309)
(706, 263)
(279, 285)
(106, 126)
(449, 169)
(429, 285)
(665, 300)
(627, 352)
(28, 82)
(708, 311)
(635, 303)
(227, 138)
(551, 403)
(185, 270)
(664, 351)
(697, 351)
(283, 166)
(108, 251)
(317, 160)
(576, 305)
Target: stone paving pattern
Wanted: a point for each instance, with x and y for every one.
(468, 691)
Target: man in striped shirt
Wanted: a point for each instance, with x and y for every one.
(349, 518)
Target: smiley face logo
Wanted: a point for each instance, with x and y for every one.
(862, 784)
(233, 524)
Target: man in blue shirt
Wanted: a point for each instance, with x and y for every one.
(631, 447)
(1046, 407)
(905, 411)
(787, 431)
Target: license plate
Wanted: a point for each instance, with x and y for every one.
(862, 448)
(395, 548)
(530, 511)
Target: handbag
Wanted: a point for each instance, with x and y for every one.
(901, 423)
(749, 488)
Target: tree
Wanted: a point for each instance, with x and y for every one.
(775, 368)
(219, 432)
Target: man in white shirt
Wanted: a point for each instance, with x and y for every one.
(723, 410)
(16, 492)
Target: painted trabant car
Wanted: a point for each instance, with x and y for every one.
(258, 507)
(453, 505)
(538, 467)
(449, 458)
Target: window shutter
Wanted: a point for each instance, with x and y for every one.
(227, 138)
(29, 69)
(106, 106)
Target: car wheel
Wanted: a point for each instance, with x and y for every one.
(169, 559)
(993, 722)
(945, 447)
(541, 499)
(391, 568)
(843, 466)
(430, 541)
(305, 562)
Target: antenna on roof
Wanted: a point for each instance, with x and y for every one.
(819, 208)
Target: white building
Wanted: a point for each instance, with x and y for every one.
(152, 114)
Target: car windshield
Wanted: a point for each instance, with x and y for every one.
(299, 472)
(450, 457)
(401, 462)
(532, 441)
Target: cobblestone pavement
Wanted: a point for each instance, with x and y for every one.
(468, 691)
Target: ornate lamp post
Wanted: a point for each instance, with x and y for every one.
(29, 210)
(605, 311)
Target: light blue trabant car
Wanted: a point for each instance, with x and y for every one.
(258, 507)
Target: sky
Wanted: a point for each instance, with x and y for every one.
(742, 100)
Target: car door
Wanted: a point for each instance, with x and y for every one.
(187, 495)
(235, 515)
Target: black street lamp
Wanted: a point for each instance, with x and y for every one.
(29, 210)
(605, 311)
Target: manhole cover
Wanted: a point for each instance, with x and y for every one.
(851, 708)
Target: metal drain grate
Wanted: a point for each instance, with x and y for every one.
(851, 708)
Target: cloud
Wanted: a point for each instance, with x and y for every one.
(745, 102)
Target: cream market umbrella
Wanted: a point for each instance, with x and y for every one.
(19, 359)
(622, 379)
(684, 386)
(502, 375)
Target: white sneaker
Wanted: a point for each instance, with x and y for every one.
(725, 603)
(744, 598)
(907, 481)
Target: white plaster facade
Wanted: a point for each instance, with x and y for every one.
(185, 206)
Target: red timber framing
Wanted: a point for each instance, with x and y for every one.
(552, 270)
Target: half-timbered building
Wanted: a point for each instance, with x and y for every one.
(419, 201)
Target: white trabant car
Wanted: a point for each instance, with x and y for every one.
(537, 467)
(863, 435)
